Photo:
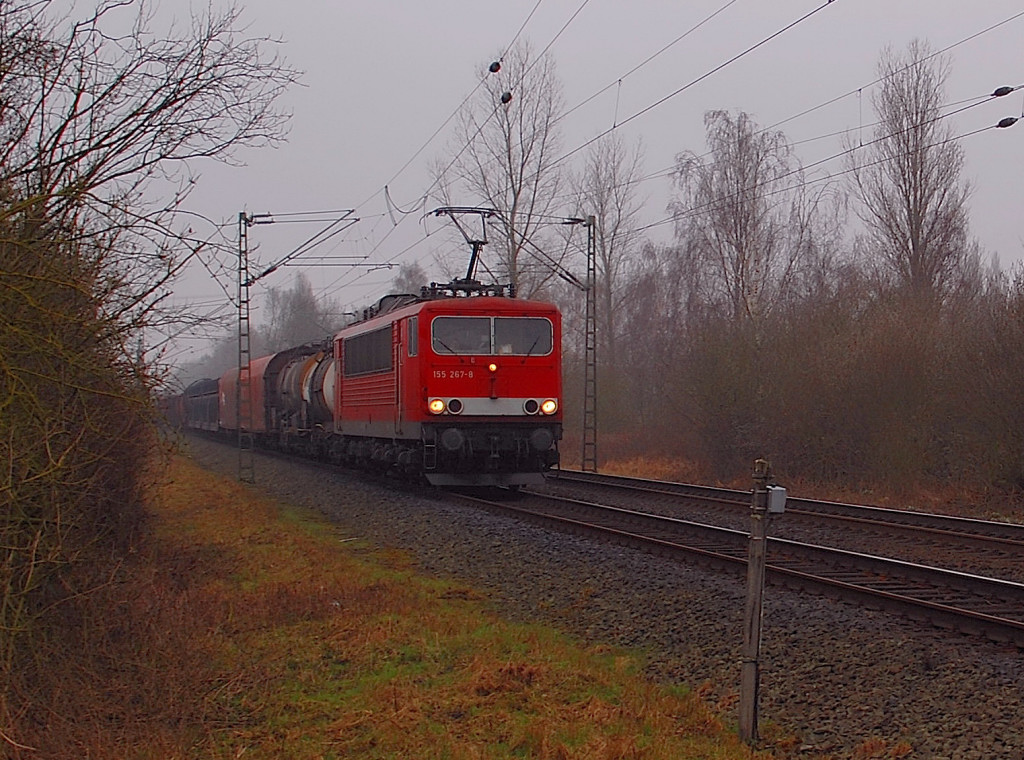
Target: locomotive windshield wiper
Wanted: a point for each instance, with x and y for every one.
(445, 345)
(530, 351)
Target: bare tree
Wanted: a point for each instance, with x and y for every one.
(753, 244)
(411, 277)
(907, 179)
(655, 322)
(741, 217)
(607, 188)
(102, 130)
(504, 159)
(297, 316)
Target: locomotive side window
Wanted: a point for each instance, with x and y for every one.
(366, 353)
(522, 336)
(414, 335)
(461, 335)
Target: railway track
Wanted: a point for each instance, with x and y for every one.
(963, 528)
(974, 546)
(971, 603)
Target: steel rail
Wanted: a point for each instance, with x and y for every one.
(968, 530)
(950, 599)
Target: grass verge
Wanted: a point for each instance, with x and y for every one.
(246, 628)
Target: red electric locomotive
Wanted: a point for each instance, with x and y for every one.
(465, 390)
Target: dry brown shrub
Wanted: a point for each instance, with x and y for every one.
(75, 437)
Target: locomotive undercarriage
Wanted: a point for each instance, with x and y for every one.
(487, 455)
(447, 455)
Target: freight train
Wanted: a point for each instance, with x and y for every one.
(462, 388)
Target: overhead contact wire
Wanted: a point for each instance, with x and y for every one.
(711, 205)
(647, 60)
(699, 79)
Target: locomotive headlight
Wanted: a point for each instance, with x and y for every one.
(454, 406)
(550, 406)
(492, 367)
(530, 406)
(436, 405)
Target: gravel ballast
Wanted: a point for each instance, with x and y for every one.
(834, 675)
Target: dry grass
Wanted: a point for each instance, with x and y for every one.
(656, 468)
(247, 629)
(625, 455)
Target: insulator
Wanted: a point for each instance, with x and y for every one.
(495, 67)
(1009, 121)
(1000, 91)
(506, 97)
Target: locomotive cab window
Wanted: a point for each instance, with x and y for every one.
(522, 336)
(515, 336)
(461, 335)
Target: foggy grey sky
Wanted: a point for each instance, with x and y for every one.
(382, 76)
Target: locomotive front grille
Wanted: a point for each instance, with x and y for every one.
(461, 448)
